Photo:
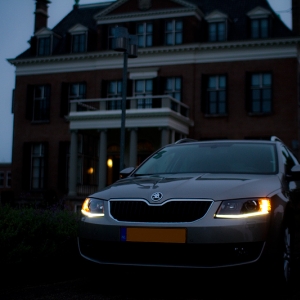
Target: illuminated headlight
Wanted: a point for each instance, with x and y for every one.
(236, 209)
(93, 208)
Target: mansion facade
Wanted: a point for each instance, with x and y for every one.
(205, 69)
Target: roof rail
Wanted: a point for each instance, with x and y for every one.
(275, 139)
(182, 141)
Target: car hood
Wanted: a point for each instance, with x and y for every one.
(208, 186)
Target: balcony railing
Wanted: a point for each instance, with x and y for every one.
(140, 102)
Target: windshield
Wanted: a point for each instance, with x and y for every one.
(230, 158)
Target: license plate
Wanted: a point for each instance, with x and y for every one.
(153, 235)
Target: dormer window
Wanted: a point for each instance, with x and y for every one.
(259, 23)
(217, 26)
(79, 38)
(260, 28)
(44, 42)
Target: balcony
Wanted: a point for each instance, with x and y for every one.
(148, 111)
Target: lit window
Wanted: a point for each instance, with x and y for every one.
(144, 34)
(260, 28)
(77, 91)
(114, 91)
(37, 166)
(79, 43)
(261, 93)
(173, 32)
(173, 87)
(41, 101)
(217, 31)
(144, 88)
(44, 46)
(216, 99)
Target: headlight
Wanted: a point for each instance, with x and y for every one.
(93, 208)
(235, 209)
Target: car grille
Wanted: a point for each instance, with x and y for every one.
(169, 212)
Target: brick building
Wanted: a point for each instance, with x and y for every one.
(206, 69)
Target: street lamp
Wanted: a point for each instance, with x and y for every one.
(126, 43)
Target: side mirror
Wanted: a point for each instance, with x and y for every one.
(126, 172)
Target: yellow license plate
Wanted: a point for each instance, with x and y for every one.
(153, 235)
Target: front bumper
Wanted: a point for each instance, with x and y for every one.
(170, 255)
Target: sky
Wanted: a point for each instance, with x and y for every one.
(16, 28)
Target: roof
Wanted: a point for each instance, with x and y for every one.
(236, 10)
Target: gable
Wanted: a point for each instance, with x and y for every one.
(134, 9)
(258, 12)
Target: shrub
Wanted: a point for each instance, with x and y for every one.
(30, 234)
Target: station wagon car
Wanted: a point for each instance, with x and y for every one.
(197, 204)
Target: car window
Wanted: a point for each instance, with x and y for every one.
(251, 158)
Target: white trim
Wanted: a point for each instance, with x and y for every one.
(258, 12)
(43, 32)
(78, 28)
(161, 56)
(142, 74)
(216, 16)
(144, 16)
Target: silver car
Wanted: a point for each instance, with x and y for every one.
(198, 205)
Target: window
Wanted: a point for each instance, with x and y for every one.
(44, 46)
(79, 43)
(77, 91)
(173, 87)
(114, 91)
(144, 34)
(1, 179)
(144, 88)
(111, 36)
(217, 31)
(216, 95)
(173, 33)
(41, 103)
(260, 28)
(261, 93)
(37, 174)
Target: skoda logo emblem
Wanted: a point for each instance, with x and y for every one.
(156, 196)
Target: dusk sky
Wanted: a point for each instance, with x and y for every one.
(16, 28)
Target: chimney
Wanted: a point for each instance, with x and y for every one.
(41, 14)
(296, 16)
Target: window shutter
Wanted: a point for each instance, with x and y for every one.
(46, 164)
(33, 46)
(248, 93)
(203, 100)
(69, 43)
(62, 166)
(47, 96)
(158, 32)
(26, 166)
(64, 100)
(29, 102)
(104, 87)
(91, 40)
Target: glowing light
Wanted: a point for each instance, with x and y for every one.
(110, 163)
(264, 209)
(90, 171)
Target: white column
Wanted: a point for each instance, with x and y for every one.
(102, 159)
(133, 147)
(165, 134)
(73, 164)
